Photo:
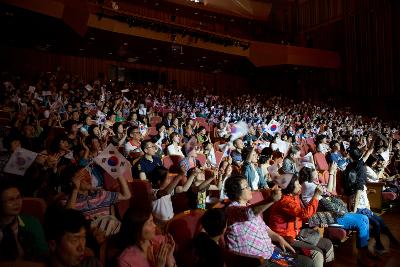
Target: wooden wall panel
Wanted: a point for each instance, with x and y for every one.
(30, 62)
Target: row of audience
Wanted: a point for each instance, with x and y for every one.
(71, 126)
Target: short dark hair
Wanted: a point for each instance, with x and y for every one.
(290, 187)
(158, 175)
(115, 126)
(55, 144)
(131, 129)
(333, 143)
(68, 125)
(14, 136)
(214, 222)
(201, 128)
(293, 150)
(5, 184)
(246, 152)
(267, 152)
(233, 189)
(305, 175)
(263, 159)
(159, 125)
(144, 143)
(355, 153)
(59, 220)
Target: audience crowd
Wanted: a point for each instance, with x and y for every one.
(83, 149)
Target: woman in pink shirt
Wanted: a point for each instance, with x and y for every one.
(141, 246)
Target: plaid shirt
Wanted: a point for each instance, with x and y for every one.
(247, 233)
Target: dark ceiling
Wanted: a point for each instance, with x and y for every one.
(22, 28)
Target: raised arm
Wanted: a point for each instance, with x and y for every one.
(264, 205)
(168, 190)
(125, 192)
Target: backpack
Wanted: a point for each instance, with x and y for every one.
(349, 180)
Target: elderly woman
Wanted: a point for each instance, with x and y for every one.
(251, 171)
(287, 217)
(246, 231)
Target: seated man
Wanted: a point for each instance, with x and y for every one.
(236, 154)
(208, 250)
(246, 231)
(65, 231)
(148, 162)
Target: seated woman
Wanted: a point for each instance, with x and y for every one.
(246, 232)
(287, 217)
(138, 241)
(251, 171)
(95, 204)
(340, 214)
(21, 236)
(289, 162)
(175, 149)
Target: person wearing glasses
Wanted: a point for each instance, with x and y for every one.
(133, 144)
(247, 233)
(146, 164)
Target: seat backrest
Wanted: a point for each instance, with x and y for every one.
(152, 131)
(171, 162)
(202, 158)
(154, 120)
(183, 228)
(35, 207)
(180, 202)
(141, 190)
(257, 197)
(320, 161)
(167, 162)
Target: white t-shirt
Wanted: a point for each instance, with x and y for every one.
(307, 192)
(130, 148)
(371, 175)
(363, 202)
(274, 146)
(323, 148)
(162, 207)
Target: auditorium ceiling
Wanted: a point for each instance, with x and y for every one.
(22, 28)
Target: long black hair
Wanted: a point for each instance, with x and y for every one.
(132, 224)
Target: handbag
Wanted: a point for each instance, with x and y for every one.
(309, 235)
(334, 205)
(321, 218)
